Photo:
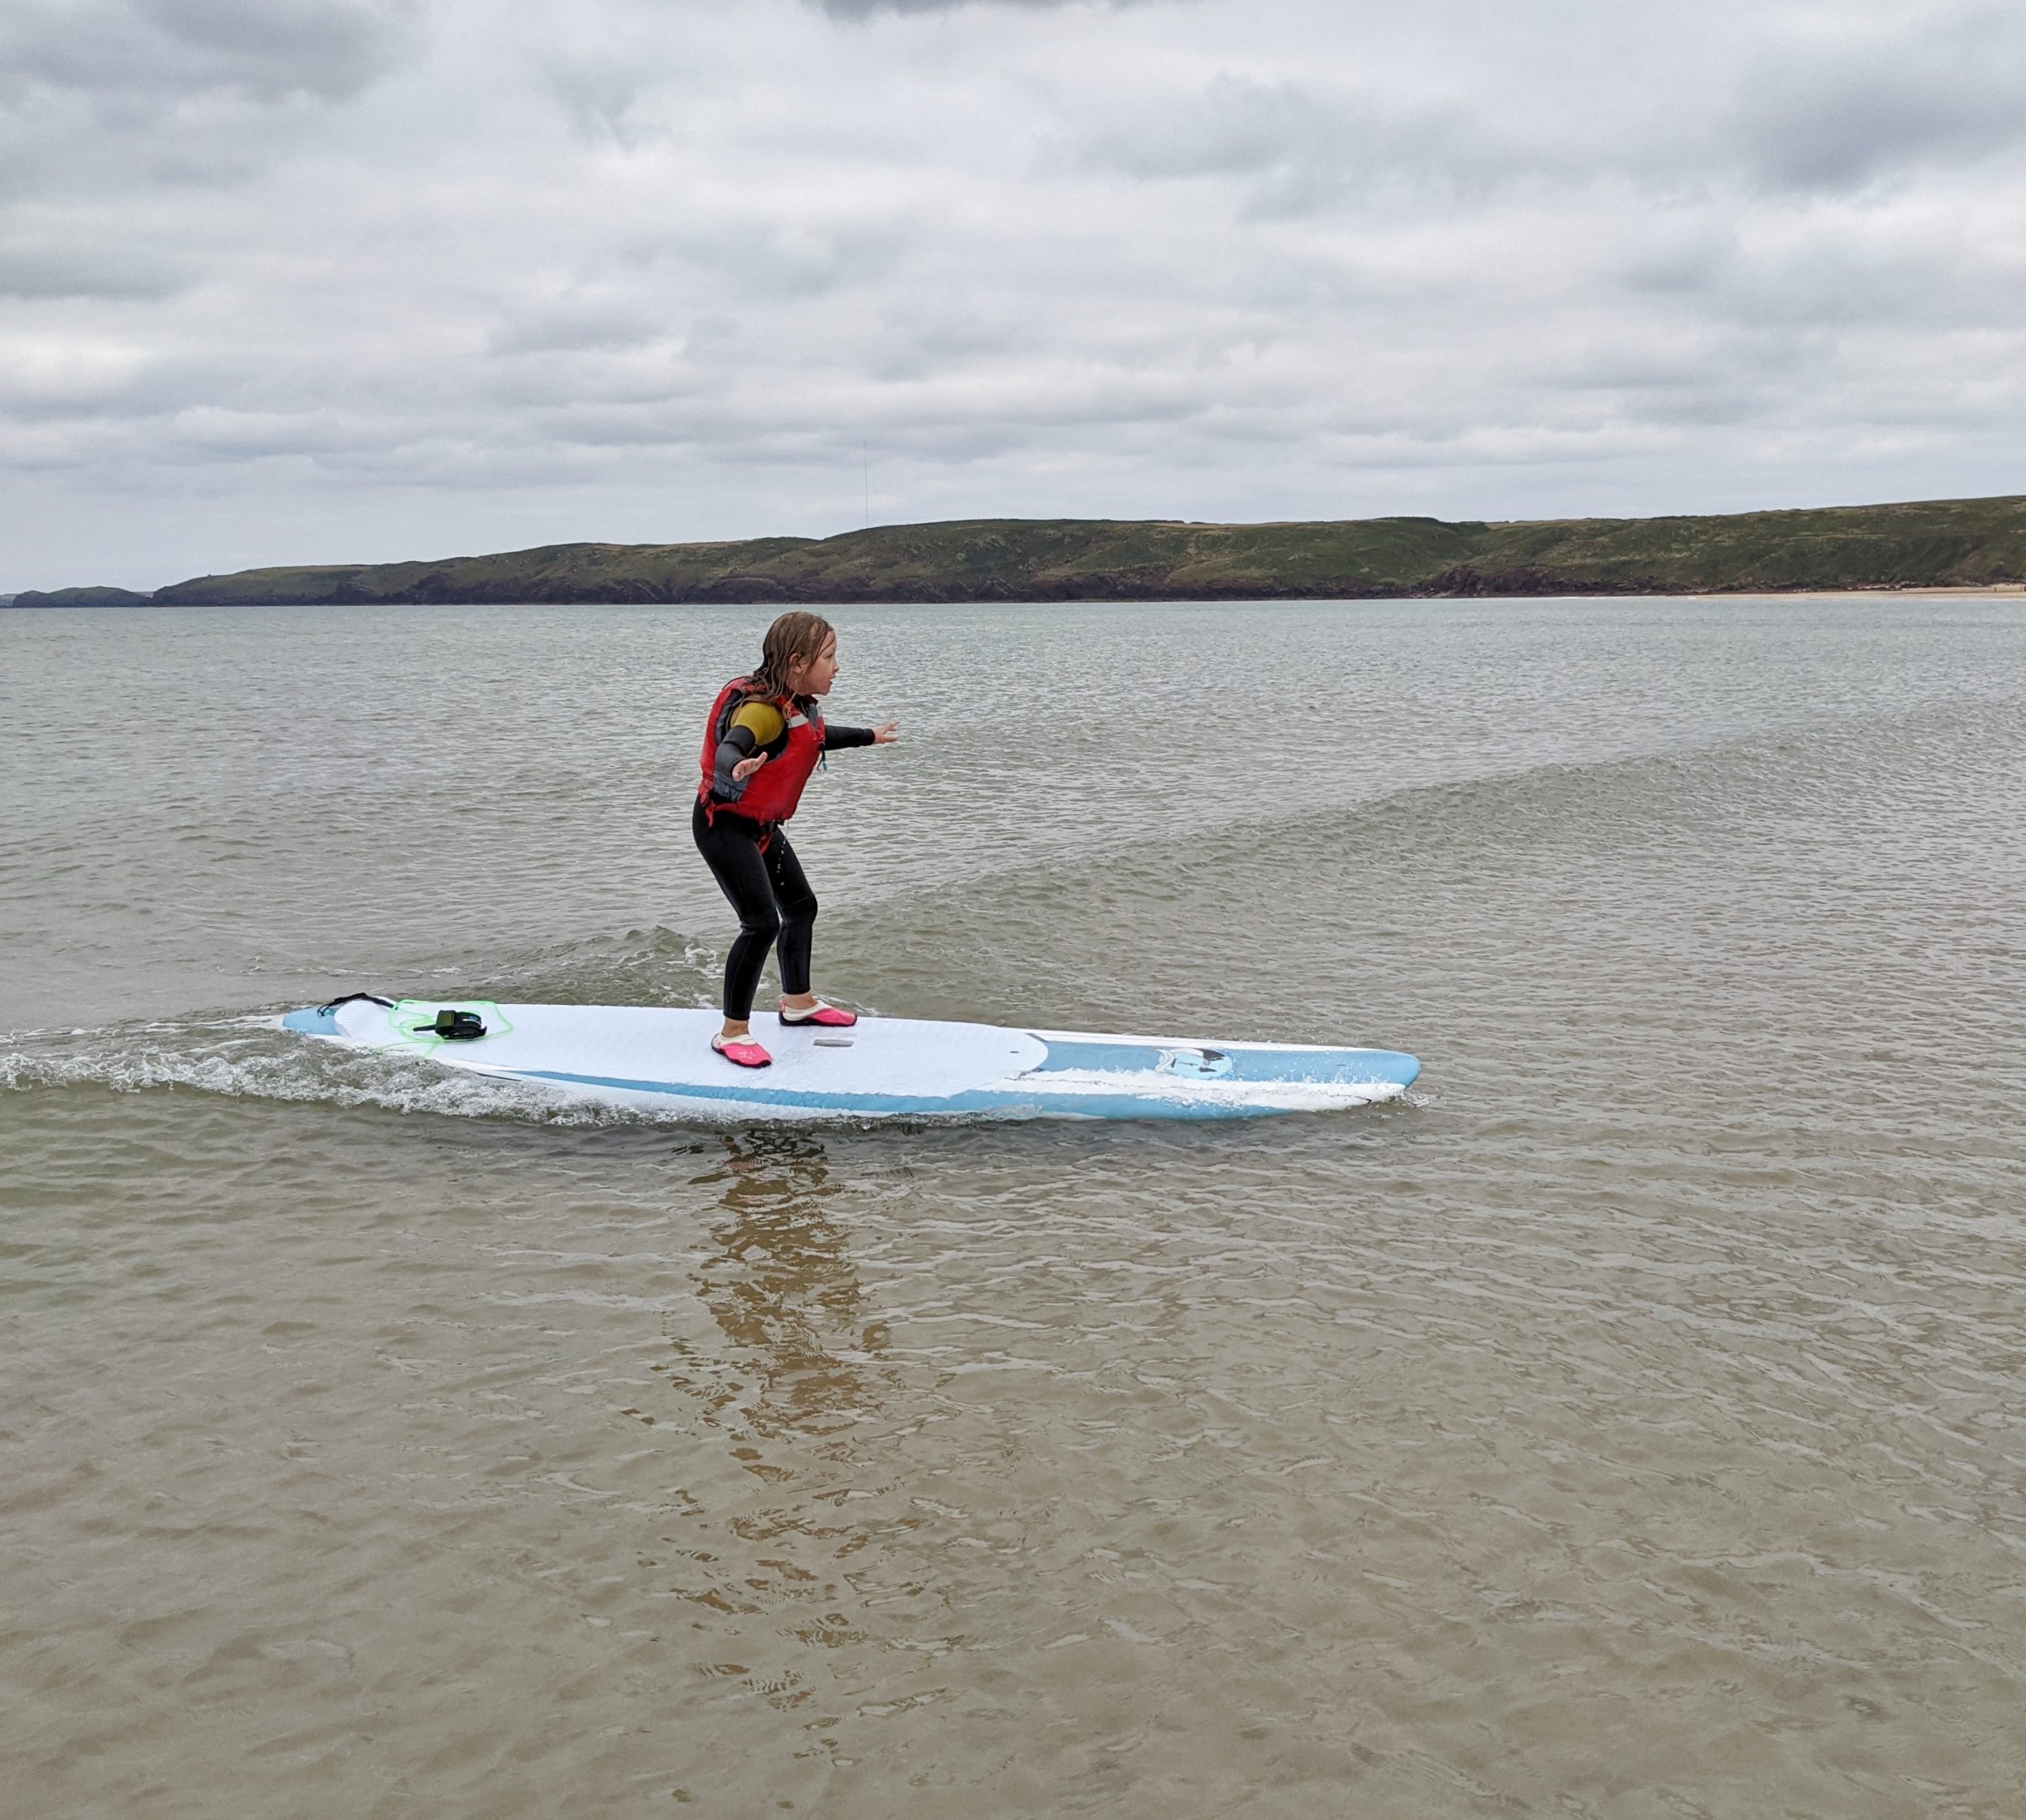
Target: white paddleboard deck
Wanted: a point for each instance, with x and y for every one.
(650, 1059)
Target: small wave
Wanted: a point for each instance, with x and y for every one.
(245, 1055)
(250, 1058)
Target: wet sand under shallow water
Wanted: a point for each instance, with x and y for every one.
(1627, 1426)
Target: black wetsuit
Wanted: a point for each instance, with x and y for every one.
(756, 869)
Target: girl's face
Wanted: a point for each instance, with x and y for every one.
(815, 676)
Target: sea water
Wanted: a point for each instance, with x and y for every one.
(1632, 1422)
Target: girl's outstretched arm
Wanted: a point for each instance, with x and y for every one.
(837, 738)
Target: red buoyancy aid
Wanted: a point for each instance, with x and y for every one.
(772, 791)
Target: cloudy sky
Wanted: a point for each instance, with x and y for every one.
(303, 280)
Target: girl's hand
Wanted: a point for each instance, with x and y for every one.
(885, 735)
(746, 766)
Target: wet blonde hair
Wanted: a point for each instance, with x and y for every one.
(792, 639)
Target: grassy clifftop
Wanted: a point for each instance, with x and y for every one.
(1949, 543)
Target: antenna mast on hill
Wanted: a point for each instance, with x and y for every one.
(865, 473)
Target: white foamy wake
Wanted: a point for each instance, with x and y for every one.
(251, 1058)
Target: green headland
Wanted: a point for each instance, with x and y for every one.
(1932, 544)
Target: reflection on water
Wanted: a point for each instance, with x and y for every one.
(779, 1558)
(781, 1286)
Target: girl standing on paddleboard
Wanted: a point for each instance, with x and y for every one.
(766, 735)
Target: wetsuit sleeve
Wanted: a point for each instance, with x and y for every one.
(755, 724)
(837, 738)
(737, 743)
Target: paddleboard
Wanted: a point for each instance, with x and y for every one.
(656, 1060)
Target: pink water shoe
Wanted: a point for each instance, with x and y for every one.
(829, 1016)
(741, 1050)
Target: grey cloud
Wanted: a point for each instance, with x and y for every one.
(933, 332)
(266, 50)
(721, 264)
(111, 386)
(599, 99)
(110, 97)
(866, 9)
(604, 386)
(30, 271)
(1298, 149)
(1712, 378)
(1691, 260)
(1802, 117)
(579, 324)
(639, 424)
(327, 48)
(1833, 118)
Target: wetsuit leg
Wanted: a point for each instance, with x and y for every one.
(797, 904)
(731, 848)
